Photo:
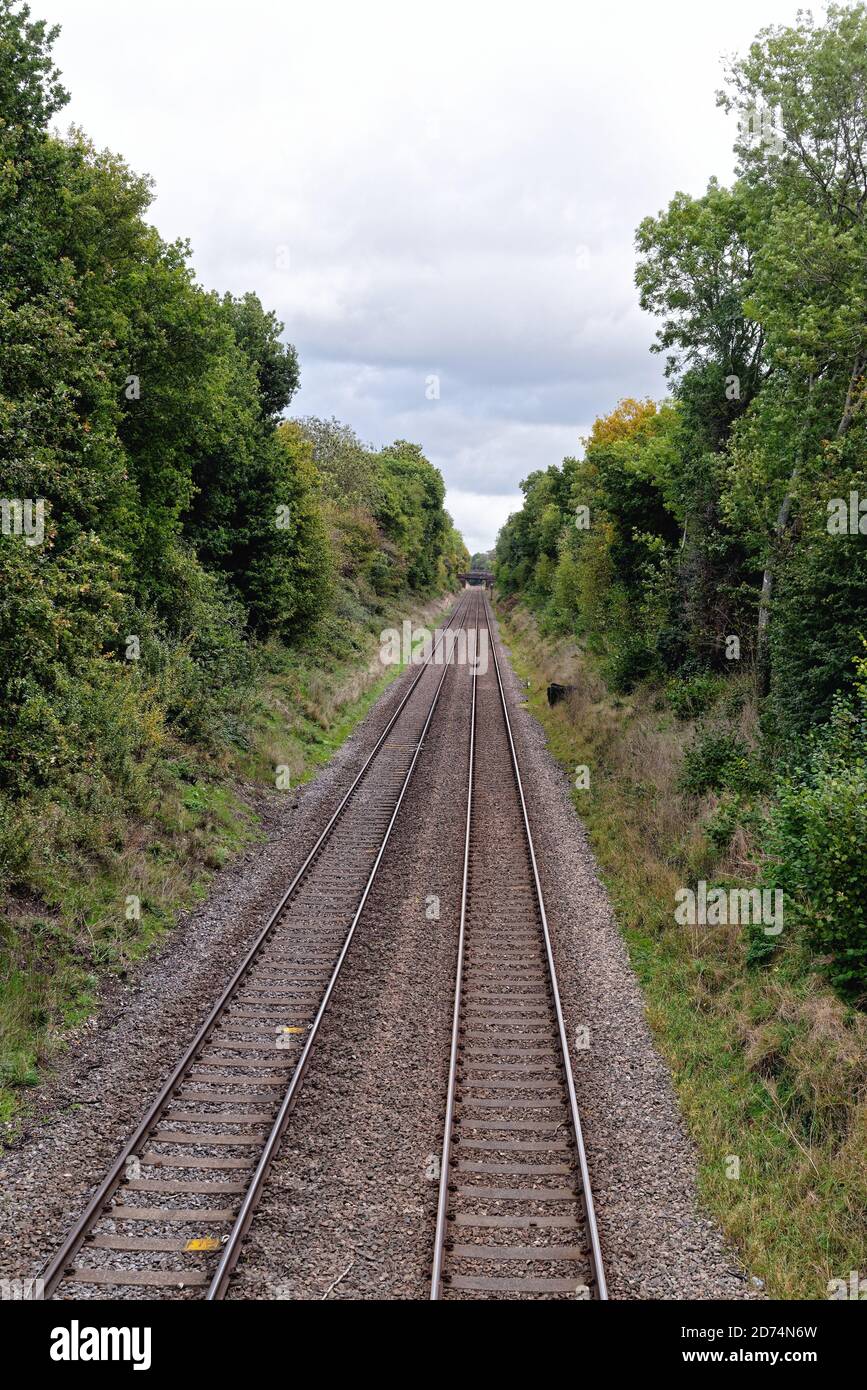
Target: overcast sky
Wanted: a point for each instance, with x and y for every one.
(424, 190)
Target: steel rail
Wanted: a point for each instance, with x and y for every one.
(55, 1269)
(586, 1193)
(443, 1199)
(589, 1208)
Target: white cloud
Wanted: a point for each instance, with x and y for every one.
(479, 516)
(455, 187)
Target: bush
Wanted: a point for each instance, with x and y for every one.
(817, 841)
(720, 827)
(629, 662)
(195, 664)
(719, 760)
(820, 608)
(694, 696)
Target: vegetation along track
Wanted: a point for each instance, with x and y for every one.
(171, 1213)
(515, 1216)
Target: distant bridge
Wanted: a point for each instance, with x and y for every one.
(477, 578)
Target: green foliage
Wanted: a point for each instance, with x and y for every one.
(719, 760)
(629, 661)
(482, 560)
(388, 526)
(690, 696)
(817, 841)
(820, 613)
(694, 273)
(734, 812)
(609, 580)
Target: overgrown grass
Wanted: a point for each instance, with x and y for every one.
(768, 1064)
(98, 913)
(98, 888)
(310, 701)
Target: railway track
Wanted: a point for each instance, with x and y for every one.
(169, 1218)
(515, 1215)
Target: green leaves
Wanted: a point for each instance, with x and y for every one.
(811, 79)
(694, 272)
(30, 89)
(817, 841)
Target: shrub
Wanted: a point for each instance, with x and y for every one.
(719, 760)
(629, 662)
(692, 697)
(720, 827)
(817, 841)
(820, 607)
